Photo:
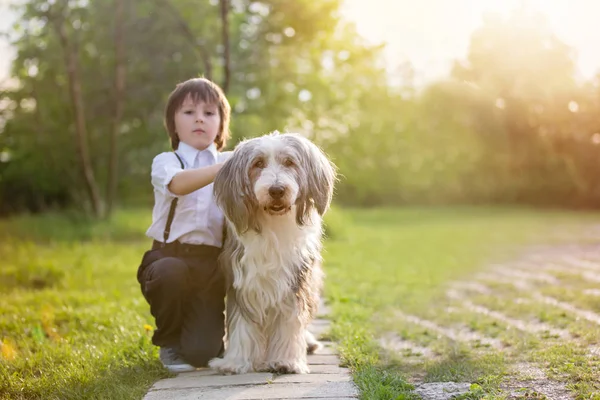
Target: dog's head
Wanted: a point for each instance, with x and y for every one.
(272, 175)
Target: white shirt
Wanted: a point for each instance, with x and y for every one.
(198, 219)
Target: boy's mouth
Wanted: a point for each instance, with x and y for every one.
(198, 131)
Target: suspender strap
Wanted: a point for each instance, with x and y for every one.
(172, 209)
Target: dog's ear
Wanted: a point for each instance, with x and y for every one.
(233, 190)
(320, 176)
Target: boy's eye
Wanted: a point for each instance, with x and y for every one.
(188, 112)
(210, 113)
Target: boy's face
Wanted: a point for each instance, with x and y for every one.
(197, 124)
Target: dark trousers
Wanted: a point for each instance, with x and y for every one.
(186, 293)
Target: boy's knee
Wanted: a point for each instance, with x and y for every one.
(167, 274)
(169, 270)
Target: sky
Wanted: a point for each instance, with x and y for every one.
(431, 34)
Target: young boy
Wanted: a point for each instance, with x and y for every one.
(179, 276)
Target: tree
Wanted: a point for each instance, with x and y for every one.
(528, 76)
(224, 12)
(119, 93)
(273, 70)
(58, 17)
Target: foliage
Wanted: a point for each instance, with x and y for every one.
(510, 124)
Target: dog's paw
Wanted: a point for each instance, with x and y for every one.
(312, 344)
(312, 348)
(229, 367)
(289, 367)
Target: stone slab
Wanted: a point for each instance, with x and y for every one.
(313, 378)
(441, 390)
(324, 309)
(328, 348)
(328, 390)
(323, 359)
(191, 380)
(327, 398)
(327, 369)
(319, 327)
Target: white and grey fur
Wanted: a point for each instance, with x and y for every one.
(274, 191)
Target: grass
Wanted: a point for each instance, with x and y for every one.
(73, 322)
(393, 260)
(74, 325)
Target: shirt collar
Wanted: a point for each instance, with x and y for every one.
(190, 153)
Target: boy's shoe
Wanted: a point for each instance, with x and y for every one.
(173, 361)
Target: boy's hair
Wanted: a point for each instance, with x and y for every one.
(200, 89)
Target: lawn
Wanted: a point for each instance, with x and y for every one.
(386, 264)
(74, 324)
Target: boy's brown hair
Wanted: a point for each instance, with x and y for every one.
(200, 89)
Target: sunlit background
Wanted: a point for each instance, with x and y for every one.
(450, 93)
(432, 33)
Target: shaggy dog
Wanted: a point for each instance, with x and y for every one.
(273, 191)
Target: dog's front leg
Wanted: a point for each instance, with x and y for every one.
(286, 351)
(244, 350)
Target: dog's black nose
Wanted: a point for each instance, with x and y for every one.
(276, 192)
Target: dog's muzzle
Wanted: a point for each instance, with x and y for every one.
(277, 205)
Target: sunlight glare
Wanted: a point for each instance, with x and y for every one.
(431, 34)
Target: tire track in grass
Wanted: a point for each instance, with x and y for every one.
(396, 344)
(465, 334)
(586, 275)
(527, 379)
(592, 292)
(471, 286)
(531, 378)
(585, 314)
(525, 279)
(565, 306)
(581, 263)
(582, 270)
(593, 350)
(529, 327)
(495, 278)
(525, 275)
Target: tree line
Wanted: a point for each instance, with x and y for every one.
(82, 118)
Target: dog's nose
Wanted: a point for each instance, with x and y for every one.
(276, 192)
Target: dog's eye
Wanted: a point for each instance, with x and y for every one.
(289, 162)
(259, 164)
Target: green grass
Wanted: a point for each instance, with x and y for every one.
(72, 318)
(402, 259)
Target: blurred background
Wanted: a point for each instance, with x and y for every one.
(428, 102)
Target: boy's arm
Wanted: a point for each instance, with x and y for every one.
(190, 180)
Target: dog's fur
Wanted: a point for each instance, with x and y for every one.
(273, 190)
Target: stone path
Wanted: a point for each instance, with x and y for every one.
(327, 380)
